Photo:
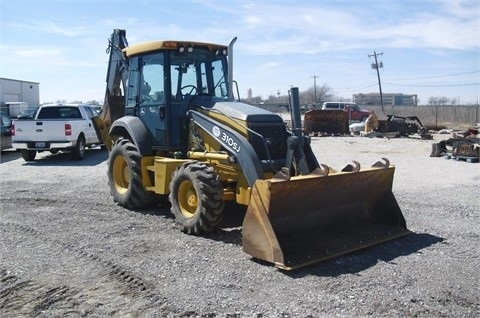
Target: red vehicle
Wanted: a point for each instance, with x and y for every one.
(354, 111)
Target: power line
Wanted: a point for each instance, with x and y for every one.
(359, 87)
(436, 76)
(448, 85)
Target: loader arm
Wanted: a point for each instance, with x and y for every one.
(238, 146)
(299, 149)
(117, 79)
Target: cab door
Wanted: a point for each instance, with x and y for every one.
(152, 99)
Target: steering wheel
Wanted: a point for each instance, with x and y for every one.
(192, 89)
(147, 98)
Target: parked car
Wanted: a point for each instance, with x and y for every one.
(56, 127)
(6, 127)
(354, 111)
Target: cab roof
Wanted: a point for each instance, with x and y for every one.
(170, 45)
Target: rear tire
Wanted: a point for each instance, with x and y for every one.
(78, 153)
(125, 177)
(196, 198)
(28, 155)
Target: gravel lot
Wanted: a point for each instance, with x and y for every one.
(67, 250)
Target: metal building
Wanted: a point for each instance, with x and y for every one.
(12, 90)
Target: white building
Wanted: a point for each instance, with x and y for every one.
(394, 99)
(12, 90)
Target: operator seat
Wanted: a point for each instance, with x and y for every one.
(146, 88)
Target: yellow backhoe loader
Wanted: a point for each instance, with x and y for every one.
(176, 133)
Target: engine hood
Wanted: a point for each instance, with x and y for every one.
(246, 112)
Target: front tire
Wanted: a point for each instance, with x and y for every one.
(125, 177)
(28, 155)
(196, 198)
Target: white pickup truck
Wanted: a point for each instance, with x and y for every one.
(67, 127)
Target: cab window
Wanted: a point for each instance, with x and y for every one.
(152, 83)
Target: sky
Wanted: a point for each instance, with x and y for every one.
(429, 48)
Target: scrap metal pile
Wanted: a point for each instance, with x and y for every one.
(335, 122)
(404, 126)
(465, 147)
(331, 122)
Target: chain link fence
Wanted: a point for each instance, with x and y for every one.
(433, 117)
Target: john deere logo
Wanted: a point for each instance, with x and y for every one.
(216, 131)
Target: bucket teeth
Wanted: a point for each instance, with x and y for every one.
(352, 168)
(323, 171)
(283, 174)
(379, 164)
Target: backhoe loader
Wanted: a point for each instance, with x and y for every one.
(176, 134)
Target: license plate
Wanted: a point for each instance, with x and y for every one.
(39, 145)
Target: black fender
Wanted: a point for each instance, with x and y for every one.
(133, 128)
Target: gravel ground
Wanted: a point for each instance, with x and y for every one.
(67, 250)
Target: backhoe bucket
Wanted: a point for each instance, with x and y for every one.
(307, 219)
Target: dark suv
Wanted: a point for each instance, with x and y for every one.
(6, 127)
(354, 111)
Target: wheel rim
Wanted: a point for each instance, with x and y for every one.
(187, 199)
(121, 174)
(81, 148)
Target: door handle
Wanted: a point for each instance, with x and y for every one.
(161, 111)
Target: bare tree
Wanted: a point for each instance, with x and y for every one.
(438, 101)
(443, 100)
(280, 99)
(322, 93)
(433, 101)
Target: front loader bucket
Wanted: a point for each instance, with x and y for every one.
(312, 218)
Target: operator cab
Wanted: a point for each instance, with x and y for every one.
(166, 79)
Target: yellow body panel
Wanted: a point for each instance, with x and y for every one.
(162, 169)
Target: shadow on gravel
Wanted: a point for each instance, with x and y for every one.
(9, 155)
(158, 210)
(230, 230)
(358, 261)
(92, 158)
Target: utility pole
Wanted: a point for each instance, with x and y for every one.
(315, 88)
(376, 66)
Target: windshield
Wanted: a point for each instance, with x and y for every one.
(200, 72)
(159, 77)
